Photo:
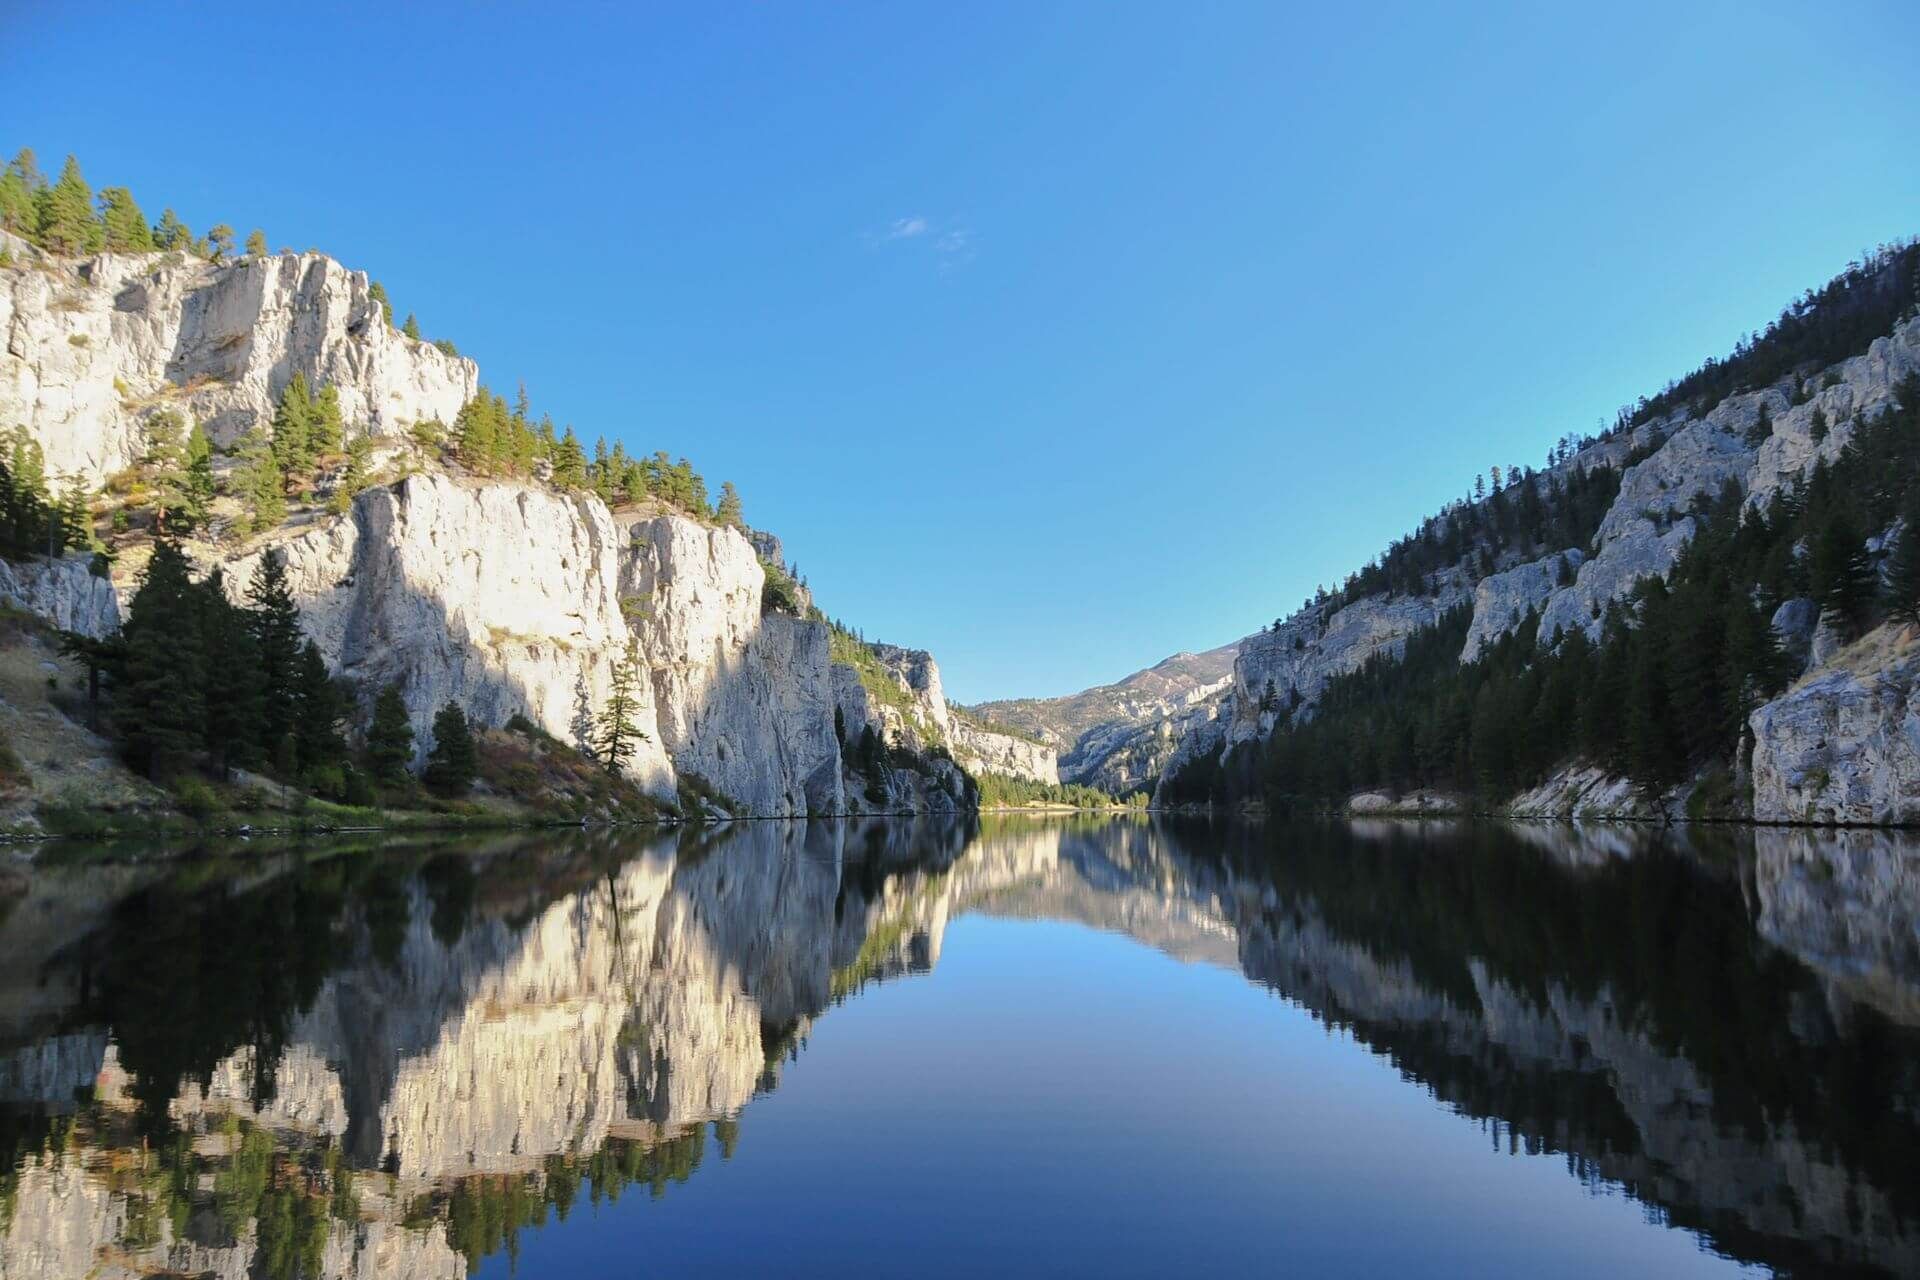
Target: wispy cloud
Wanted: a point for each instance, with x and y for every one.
(949, 240)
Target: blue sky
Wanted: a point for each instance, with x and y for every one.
(1052, 338)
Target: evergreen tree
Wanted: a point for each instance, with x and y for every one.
(293, 425)
(220, 242)
(65, 223)
(354, 480)
(377, 292)
(1903, 567)
(477, 433)
(615, 734)
(728, 512)
(390, 737)
(76, 518)
(171, 233)
(19, 185)
(257, 243)
(27, 509)
(259, 482)
(275, 621)
(1843, 580)
(453, 762)
(235, 682)
(412, 327)
(318, 747)
(159, 699)
(124, 228)
(167, 463)
(323, 423)
(570, 463)
(197, 504)
(100, 658)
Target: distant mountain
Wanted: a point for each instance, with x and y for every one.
(1118, 736)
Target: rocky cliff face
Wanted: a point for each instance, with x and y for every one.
(95, 346)
(66, 592)
(506, 598)
(1843, 744)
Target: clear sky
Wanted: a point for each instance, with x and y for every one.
(1055, 339)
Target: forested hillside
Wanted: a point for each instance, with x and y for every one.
(1782, 487)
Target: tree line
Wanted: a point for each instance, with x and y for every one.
(64, 217)
(491, 438)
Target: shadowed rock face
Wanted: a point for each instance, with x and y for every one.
(1731, 1034)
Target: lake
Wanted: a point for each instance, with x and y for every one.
(1138, 1047)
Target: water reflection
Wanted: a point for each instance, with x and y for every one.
(387, 1061)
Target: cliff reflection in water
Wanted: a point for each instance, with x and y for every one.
(386, 1062)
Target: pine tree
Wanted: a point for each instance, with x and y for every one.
(354, 480)
(171, 233)
(76, 518)
(293, 428)
(66, 223)
(166, 463)
(257, 243)
(615, 735)
(124, 228)
(19, 185)
(390, 737)
(235, 681)
(259, 482)
(1843, 580)
(1903, 567)
(197, 506)
(476, 432)
(412, 327)
(377, 292)
(570, 463)
(275, 621)
(323, 424)
(728, 512)
(159, 698)
(318, 746)
(220, 242)
(453, 761)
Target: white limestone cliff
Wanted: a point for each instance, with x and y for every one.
(506, 598)
(94, 346)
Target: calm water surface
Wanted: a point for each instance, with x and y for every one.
(1026, 1048)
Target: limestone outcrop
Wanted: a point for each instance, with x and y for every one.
(1500, 600)
(95, 346)
(1843, 744)
(66, 592)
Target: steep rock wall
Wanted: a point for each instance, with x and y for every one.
(1843, 744)
(501, 597)
(94, 346)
